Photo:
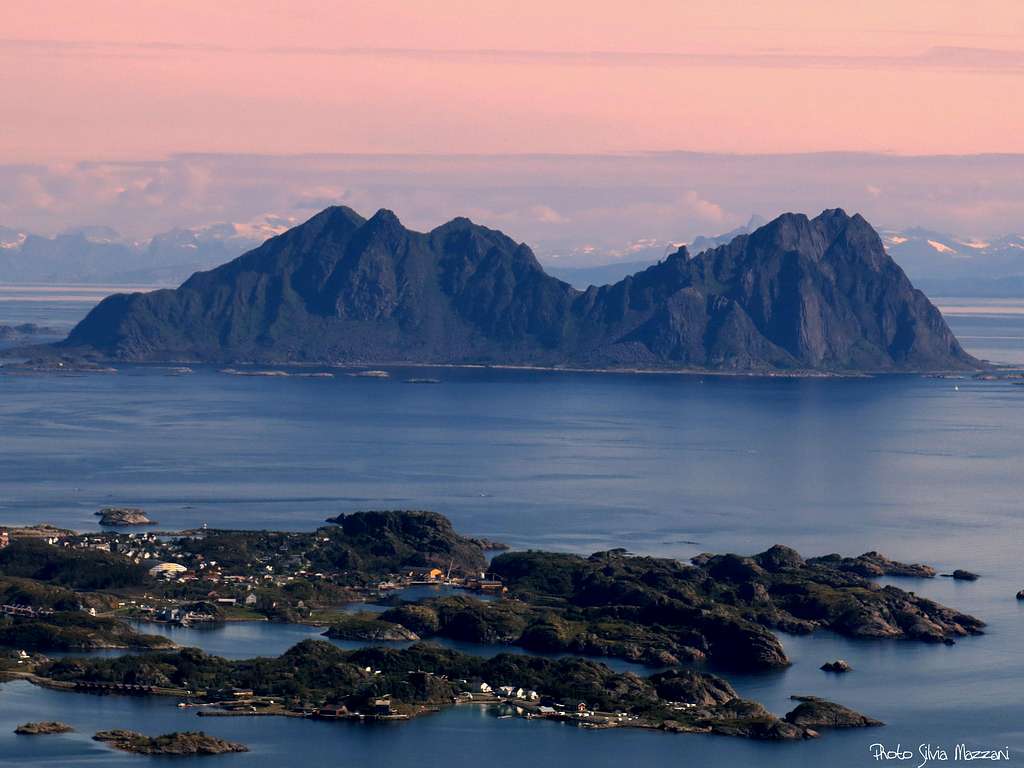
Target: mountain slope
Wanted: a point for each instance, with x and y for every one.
(797, 293)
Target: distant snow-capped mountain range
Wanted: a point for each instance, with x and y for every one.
(945, 265)
(97, 254)
(939, 263)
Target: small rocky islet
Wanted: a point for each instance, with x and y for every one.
(112, 516)
(813, 712)
(43, 728)
(181, 743)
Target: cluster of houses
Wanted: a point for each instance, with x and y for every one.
(380, 708)
(188, 613)
(5, 538)
(186, 616)
(165, 557)
(168, 558)
(507, 692)
(24, 611)
(19, 657)
(435, 576)
(135, 547)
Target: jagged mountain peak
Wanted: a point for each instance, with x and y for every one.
(384, 218)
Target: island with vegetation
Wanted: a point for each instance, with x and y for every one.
(718, 612)
(171, 744)
(316, 677)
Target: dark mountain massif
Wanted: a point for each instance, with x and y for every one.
(797, 294)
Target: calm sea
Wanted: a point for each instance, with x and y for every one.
(921, 469)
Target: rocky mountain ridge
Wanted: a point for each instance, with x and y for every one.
(815, 294)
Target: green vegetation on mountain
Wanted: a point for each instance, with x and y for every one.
(74, 631)
(80, 569)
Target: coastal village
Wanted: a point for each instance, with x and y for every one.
(170, 560)
(185, 587)
(189, 588)
(69, 591)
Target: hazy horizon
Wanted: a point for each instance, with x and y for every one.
(578, 128)
(565, 206)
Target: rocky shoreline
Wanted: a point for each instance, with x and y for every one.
(724, 608)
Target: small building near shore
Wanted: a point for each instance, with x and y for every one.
(381, 707)
(332, 711)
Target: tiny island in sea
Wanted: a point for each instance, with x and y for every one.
(63, 591)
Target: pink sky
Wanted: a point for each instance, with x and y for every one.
(112, 79)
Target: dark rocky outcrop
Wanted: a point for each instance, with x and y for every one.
(797, 294)
(43, 728)
(698, 688)
(123, 516)
(873, 565)
(748, 719)
(395, 538)
(961, 575)
(75, 631)
(837, 593)
(174, 744)
(813, 712)
(839, 666)
(365, 627)
(724, 608)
